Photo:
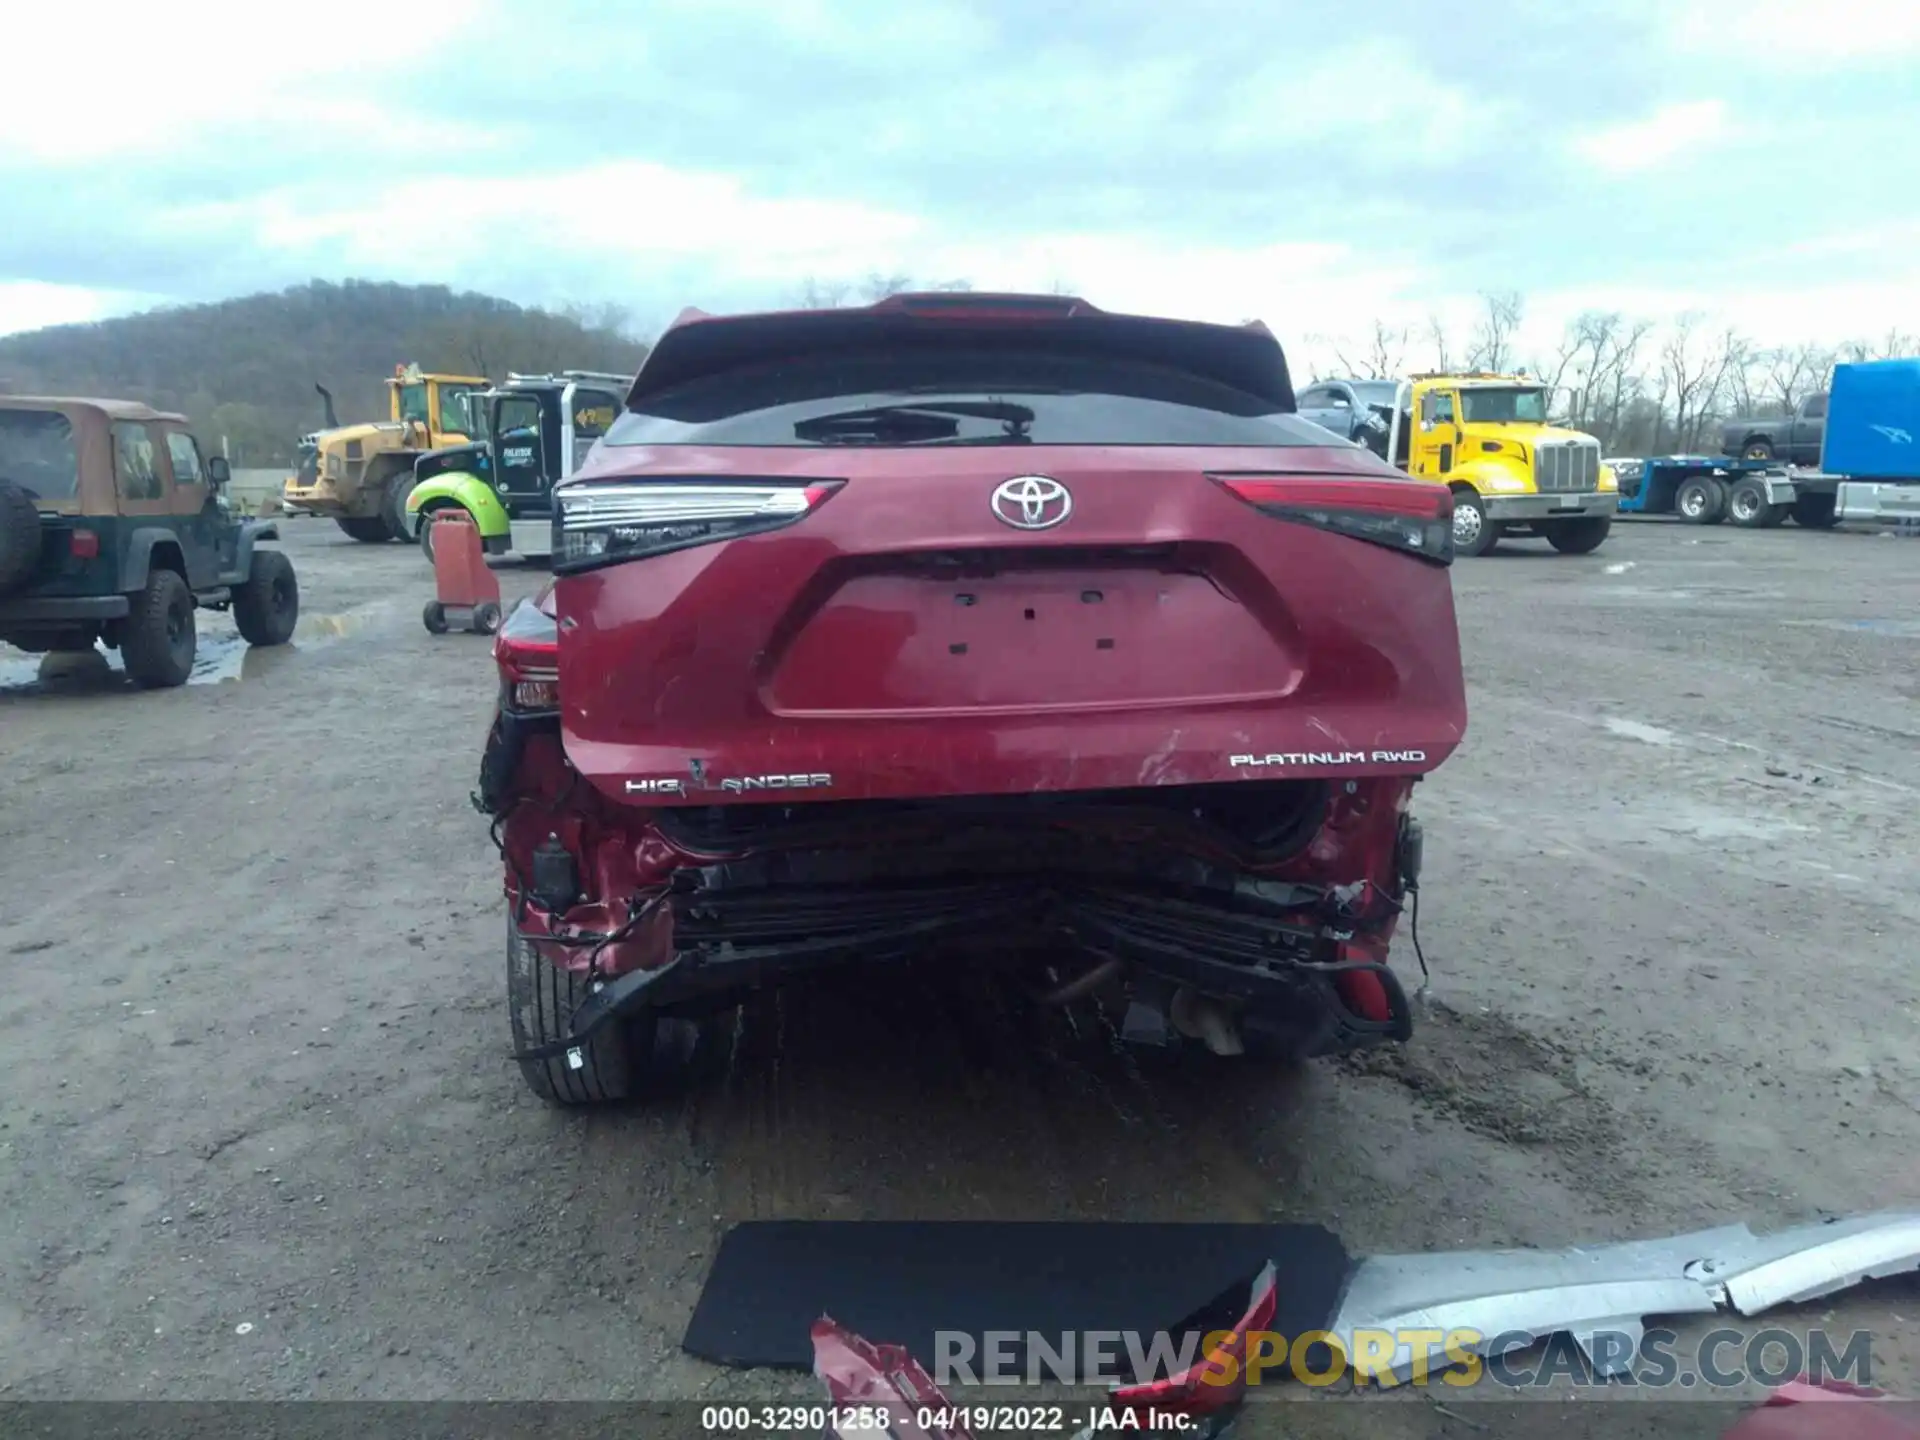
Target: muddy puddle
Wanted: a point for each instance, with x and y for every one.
(222, 658)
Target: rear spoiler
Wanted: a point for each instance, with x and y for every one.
(697, 345)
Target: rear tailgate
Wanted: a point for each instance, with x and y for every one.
(902, 640)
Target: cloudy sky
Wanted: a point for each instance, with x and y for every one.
(1315, 166)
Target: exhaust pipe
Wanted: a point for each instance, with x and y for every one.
(326, 402)
(1200, 1017)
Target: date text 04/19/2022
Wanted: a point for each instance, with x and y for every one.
(761, 1422)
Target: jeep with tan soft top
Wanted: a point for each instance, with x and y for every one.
(115, 528)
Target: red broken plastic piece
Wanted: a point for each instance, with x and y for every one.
(1796, 1411)
(1218, 1381)
(859, 1373)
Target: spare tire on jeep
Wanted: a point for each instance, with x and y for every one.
(19, 536)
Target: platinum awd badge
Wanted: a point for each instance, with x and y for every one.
(733, 785)
(1329, 757)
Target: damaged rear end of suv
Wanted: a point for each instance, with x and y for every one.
(993, 628)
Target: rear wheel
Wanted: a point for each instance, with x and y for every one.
(394, 504)
(157, 639)
(541, 999)
(427, 519)
(1816, 512)
(267, 606)
(1473, 533)
(1747, 504)
(1579, 537)
(1701, 501)
(434, 617)
(1757, 450)
(369, 530)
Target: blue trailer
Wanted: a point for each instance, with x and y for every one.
(1872, 440)
(1869, 465)
(1706, 489)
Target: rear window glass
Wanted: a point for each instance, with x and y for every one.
(37, 453)
(1054, 399)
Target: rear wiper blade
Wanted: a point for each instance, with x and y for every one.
(932, 418)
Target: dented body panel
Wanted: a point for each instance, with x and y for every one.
(997, 628)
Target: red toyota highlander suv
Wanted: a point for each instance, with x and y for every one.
(980, 626)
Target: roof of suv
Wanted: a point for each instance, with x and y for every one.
(112, 409)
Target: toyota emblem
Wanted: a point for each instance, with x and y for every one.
(1032, 502)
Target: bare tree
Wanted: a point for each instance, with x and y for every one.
(1442, 351)
(1385, 357)
(1795, 372)
(1894, 345)
(1693, 369)
(817, 294)
(1492, 346)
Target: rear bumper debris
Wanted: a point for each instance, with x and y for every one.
(1516, 1297)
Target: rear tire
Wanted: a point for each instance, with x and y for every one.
(267, 606)
(427, 517)
(1473, 532)
(395, 502)
(1747, 504)
(1757, 450)
(1579, 537)
(157, 639)
(371, 530)
(1816, 512)
(486, 618)
(434, 617)
(540, 1001)
(19, 536)
(1701, 501)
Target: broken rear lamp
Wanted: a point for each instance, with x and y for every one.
(1412, 516)
(527, 650)
(598, 525)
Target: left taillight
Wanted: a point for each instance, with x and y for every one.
(527, 650)
(603, 524)
(84, 545)
(1411, 516)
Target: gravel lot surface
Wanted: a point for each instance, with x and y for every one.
(258, 1138)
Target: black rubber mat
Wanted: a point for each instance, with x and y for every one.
(901, 1282)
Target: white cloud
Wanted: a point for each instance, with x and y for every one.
(1680, 131)
(1794, 34)
(621, 218)
(33, 304)
(1825, 313)
(1374, 92)
(146, 78)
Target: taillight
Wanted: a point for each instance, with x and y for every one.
(601, 524)
(527, 650)
(1407, 515)
(84, 545)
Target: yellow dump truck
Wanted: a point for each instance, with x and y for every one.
(359, 476)
(1487, 438)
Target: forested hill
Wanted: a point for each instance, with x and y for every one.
(245, 369)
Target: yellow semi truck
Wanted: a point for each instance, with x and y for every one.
(1488, 439)
(359, 476)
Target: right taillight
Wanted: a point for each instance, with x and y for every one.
(600, 524)
(527, 650)
(1404, 515)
